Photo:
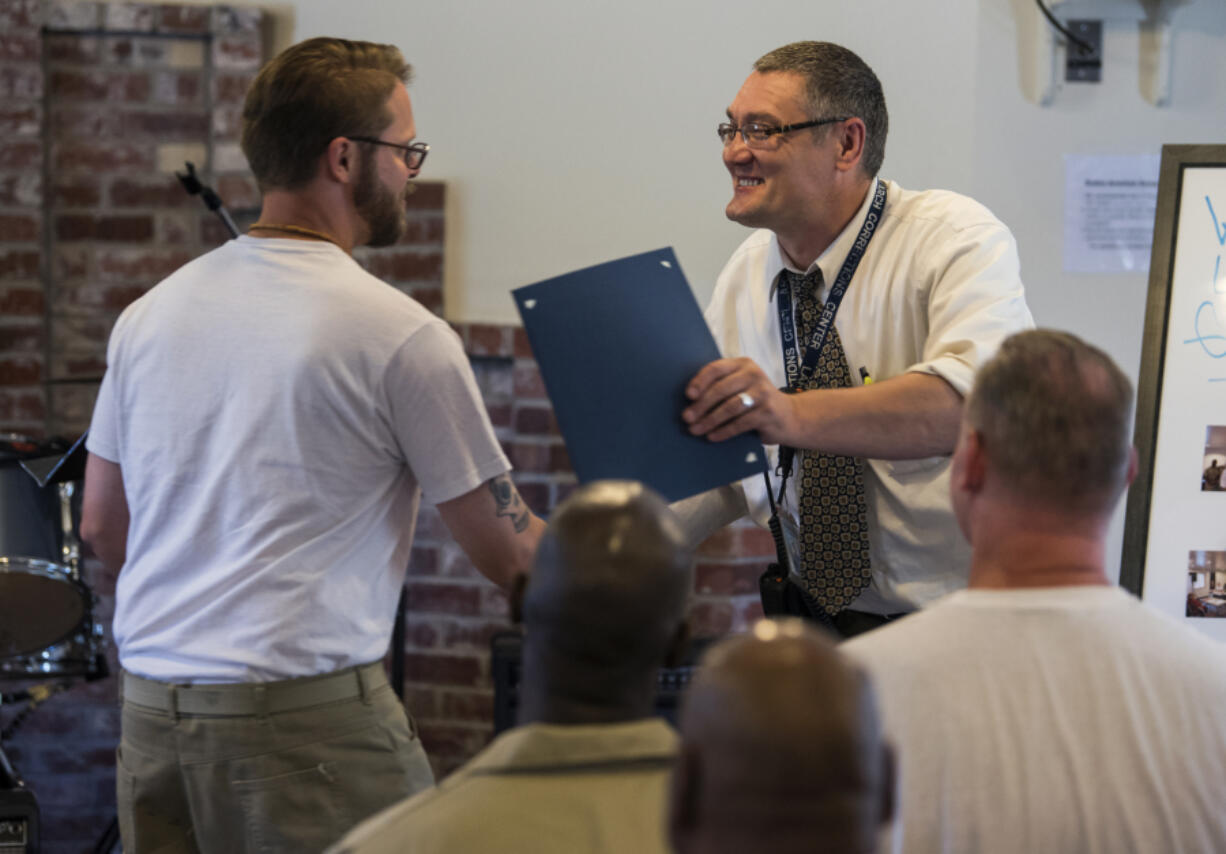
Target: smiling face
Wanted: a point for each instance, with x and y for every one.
(784, 185)
(383, 177)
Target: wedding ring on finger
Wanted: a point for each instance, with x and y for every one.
(746, 400)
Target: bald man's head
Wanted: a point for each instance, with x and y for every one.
(606, 599)
(782, 749)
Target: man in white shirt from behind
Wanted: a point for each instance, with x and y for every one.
(1044, 709)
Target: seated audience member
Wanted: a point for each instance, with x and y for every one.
(781, 750)
(587, 768)
(1044, 709)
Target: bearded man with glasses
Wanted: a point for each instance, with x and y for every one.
(270, 419)
(852, 322)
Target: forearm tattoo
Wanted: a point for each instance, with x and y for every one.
(508, 503)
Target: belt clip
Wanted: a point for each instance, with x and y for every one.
(260, 695)
(363, 688)
(172, 696)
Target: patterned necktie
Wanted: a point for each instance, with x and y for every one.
(833, 520)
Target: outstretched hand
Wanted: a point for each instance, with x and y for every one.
(733, 396)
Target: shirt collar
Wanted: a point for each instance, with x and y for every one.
(830, 261)
(552, 747)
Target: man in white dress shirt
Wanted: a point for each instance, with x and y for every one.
(932, 287)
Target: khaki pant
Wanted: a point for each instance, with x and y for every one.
(275, 781)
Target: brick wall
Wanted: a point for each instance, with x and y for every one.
(99, 104)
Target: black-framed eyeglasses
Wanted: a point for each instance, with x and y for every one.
(757, 134)
(414, 153)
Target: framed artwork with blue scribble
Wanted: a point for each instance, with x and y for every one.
(1174, 553)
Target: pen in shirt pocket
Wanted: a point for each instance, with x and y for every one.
(864, 377)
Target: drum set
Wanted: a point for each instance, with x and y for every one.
(48, 633)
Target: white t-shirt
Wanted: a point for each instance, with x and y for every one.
(277, 412)
(1068, 719)
(936, 292)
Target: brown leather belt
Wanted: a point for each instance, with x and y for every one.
(253, 698)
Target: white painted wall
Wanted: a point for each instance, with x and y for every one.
(574, 132)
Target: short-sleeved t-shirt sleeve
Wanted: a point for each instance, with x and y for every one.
(438, 417)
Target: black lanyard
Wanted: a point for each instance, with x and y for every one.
(799, 371)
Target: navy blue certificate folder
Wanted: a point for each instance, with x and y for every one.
(616, 344)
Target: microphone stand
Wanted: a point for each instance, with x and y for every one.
(191, 183)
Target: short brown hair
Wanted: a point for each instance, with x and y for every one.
(837, 83)
(1054, 414)
(308, 95)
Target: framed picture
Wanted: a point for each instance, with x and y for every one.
(1174, 554)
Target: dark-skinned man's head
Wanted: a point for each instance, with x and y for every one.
(604, 608)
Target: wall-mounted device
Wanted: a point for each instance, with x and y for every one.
(1073, 25)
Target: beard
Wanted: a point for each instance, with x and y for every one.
(380, 208)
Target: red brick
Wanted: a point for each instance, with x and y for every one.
(536, 421)
(450, 745)
(145, 264)
(76, 191)
(20, 46)
(494, 602)
(21, 405)
(175, 229)
(15, 14)
(167, 126)
(536, 496)
(20, 119)
(24, 81)
(468, 706)
(22, 339)
(238, 191)
(183, 19)
(710, 619)
(428, 196)
(421, 702)
(423, 230)
(405, 265)
(456, 564)
(18, 264)
(231, 89)
(424, 561)
(103, 156)
(21, 155)
(88, 122)
(430, 298)
(157, 191)
(527, 380)
(726, 579)
(70, 261)
(484, 339)
(177, 88)
(17, 300)
(71, 47)
(444, 598)
(420, 634)
(500, 415)
(521, 346)
(20, 227)
(559, 459)
(16, 371)
(527, 456)
(131, 87)
(117, 228)
(443, 669)
(241, 51)
(755, 542)
(22, 189)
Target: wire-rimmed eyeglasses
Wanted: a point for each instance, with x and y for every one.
(414, 153)
(757, 134)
